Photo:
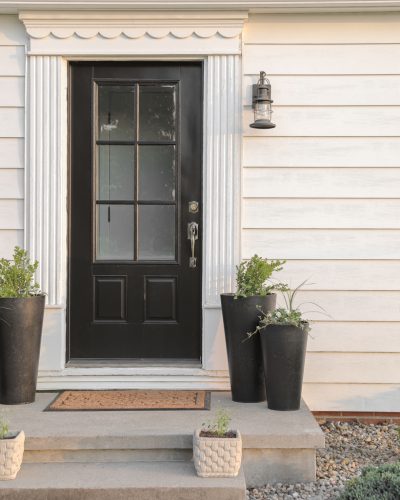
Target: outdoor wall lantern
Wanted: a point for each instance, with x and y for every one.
(262, 103)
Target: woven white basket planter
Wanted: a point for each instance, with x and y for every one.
(11, 453)
(217, 457)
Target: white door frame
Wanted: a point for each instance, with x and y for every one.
(56, 38)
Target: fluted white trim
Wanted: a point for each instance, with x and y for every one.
(222, 156)
(44, 177)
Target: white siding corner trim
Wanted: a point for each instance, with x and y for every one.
(47, 173)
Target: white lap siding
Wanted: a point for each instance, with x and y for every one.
(12, 92)
(322, 190)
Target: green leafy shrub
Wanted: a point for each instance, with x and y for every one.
(220, 426)
(17, 276)
(253, 277)
(375, 483)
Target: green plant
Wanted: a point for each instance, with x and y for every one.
(253, 277)
(3, 428)
(220, 426)
(375, 483)
(17, 276)
(288, 315)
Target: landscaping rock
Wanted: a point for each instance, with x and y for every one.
(350, 446)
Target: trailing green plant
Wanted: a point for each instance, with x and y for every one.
(253, 277)
(17, 276)
(289, 315)
(3, 428)
(375, 483)
(220, 426)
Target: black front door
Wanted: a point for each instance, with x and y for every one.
(135, 210)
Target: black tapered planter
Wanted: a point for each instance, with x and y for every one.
(21, 323)
(284, 352)
(244, 358)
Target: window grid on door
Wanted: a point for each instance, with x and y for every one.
(136, 206)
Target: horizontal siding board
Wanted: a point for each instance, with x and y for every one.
(321, 188)
(349, 305)
(8, 240)
(322, 59)
(357, 368)
(371, 275)
(320, 121)
(321, 214)
(321, 152)
(12, 61)
(323, 28)
(352, 397)
(12, 91)
(12, 31)
(332, 336)
(11, 214)
(321, 244)
(11, 153)
(11, 183)
(11, 122)
(332, 90)
(321, 182)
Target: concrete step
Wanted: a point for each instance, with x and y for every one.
(119, 481)
(277, 446)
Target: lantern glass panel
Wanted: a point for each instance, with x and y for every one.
(262, 111)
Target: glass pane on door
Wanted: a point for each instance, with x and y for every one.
(116, 112)
(156, 166)
(115, 232)
(156, 232)
(157, 112)
(116, 172)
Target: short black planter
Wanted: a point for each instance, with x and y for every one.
(21, 323)
(284, 352)
(244, 356)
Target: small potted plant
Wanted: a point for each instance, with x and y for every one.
(254, 289)
(217, 451)
(284, 335)
(11, 451)
(21, 319)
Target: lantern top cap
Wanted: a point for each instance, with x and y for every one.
(263, 80)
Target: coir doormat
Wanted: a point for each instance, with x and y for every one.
(130, 400)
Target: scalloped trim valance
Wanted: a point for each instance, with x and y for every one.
(133, 32)
(133, 24)
(86, 32)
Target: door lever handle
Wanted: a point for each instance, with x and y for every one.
(193, 235)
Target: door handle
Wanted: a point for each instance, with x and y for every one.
(193, 235)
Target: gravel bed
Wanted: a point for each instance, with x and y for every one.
(350, 446)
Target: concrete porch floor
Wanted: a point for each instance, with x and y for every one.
(277, 446)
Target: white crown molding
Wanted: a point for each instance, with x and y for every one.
(132, 24)
(15, 6)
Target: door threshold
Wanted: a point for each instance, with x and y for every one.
(133, 363)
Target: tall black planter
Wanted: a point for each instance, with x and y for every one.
(244, 358)
(284, 352)
(21, 323)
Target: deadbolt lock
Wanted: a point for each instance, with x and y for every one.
(193, 207)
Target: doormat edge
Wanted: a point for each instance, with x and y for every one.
(48, 408)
